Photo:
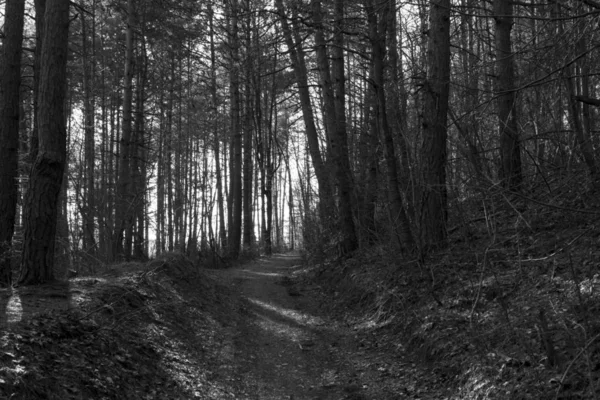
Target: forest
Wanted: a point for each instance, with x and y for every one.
(433, 163)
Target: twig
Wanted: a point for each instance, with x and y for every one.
(564, 375)
(484, 262)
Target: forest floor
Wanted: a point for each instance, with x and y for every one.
(169, 330)
(509, 311)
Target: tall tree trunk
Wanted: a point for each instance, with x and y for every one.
(368, 167)
(41, 201)
(297, 59)
(178, 179)
(580, 132)
(510, 148)
(169, 157)
(235, 226)
(40, 8)
(434, 207)
(89, 208)
(397, 107)
(399, 220)
(139, 163)
(124, 218)
(250, 109)
(216, 139)
(334, 93)
(104, 232)
(9, 131)
(160, 181)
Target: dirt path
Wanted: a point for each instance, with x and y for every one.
(245, 333)
(282, 348)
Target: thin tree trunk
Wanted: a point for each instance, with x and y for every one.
(235, 226)
(248, 167)
(510, 148)
(368, 158)
(139, 164)
(169, 157)
(123, 217)
(434, 207)
(216, 139)
(89, 208)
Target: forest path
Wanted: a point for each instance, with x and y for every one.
(284, 346)
(168, 330)
(281, 349)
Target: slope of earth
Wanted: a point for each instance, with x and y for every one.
(171, 330)
(509, 310)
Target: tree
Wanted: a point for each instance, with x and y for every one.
(9, 130)
(333, 83)
(235, 225)
(89, 124)
(377, 33)
(435, 110)
(41, 200)
(298, 61)
(124, 211)
(510, 148)
(217, 144)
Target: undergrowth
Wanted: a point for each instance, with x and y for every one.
(509, 310)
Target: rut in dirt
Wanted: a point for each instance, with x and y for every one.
(283, 349)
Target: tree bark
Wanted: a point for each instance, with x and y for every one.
(434, 207)
(235, 227)
(334, 92)
(88, 119)
(216, 139)
(298, 61)
(40, 7)
(340, 144)
(510, 148)
(124, 212)
(10, 106)
(41, 201)
(250, 109)
(399, 220)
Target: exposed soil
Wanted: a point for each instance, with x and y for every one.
(288, 347)
(170, 330)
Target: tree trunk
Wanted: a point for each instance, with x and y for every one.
(299, 65)
(41, 201)
(434, 207)
(10, 116)
(368, 166)
(89, 207)
(399, 220)
(248, 167)
(9, 131)
(235, 226)
(139, 166)
(124, 212)
(510, 148)
(397, 108)
(160, 182)
(40, 7)
(339, 148)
